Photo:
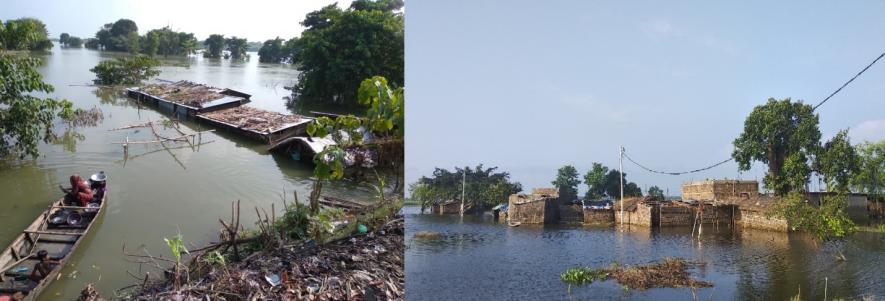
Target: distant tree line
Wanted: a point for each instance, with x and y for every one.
(70, 41)
(483, 189)
(601, 182)
(122, 35)
(24, 34)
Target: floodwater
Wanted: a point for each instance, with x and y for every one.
(154, 193)
(479, 259)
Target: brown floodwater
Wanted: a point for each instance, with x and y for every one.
(153, 193)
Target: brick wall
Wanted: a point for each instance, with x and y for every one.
(758, 220)
(641, 217)
(718, 189)
(599, 216)
(571, 214)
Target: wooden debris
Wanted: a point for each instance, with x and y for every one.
(254, 119)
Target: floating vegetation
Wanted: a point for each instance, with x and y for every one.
(90, 117)
(670, 272)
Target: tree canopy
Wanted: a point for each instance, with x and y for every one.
(339, 48)
(567, 182)
(595, 181)
(24, 34)
(278, 50)
(25, 120)
(782, 134)
(838, 162)
(485, 187)
(126, 71)
(237, 47)
(214, 46)
(870, 176)
(166, 42)
(121, 35)
(655, 191)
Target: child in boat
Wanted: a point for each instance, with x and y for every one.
(44, 267)
(79, 193)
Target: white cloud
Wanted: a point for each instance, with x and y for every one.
(870, 130)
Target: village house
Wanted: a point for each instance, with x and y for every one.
(539, 207)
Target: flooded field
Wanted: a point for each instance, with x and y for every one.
(479, 259)
(153, 193)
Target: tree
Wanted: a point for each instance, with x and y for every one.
(214, 46)
(25, 119)
(613, 185)
(166, 42)
(24, 34)
(272, 51)
(339, 48)
(595, 181)
(383, 5)
(63, 38)
(75, 42)
(870, 177)
(655, 191)
(838, 162)
(126, 71)
(121, 35)
(485, 187)
(567, 181)
(776, 133)
(237, 47)
(92, 43)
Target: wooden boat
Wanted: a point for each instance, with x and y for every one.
(59, 240)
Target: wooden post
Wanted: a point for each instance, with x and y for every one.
(621, 170)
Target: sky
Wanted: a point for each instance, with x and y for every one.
(529, 86)
(257, 20)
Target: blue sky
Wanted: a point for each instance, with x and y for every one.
(256, 20)
(532, 85)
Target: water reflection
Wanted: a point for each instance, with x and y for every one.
(478, 259)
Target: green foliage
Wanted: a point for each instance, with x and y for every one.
(567, 181)
(25, 120)
(275, 51)
(237, 47)
(595, 181)
(383, 5)
(298, 224)
(24, 34)
(838, 162)
(75, 42)
(119, 36)
(484, 187)
(422, 194)
(126, 71)
(870, 177)
(215, 258)
(92, 43)
(386, 113)
(827, 221)
(339, 48)
(176, 246)
(214, 45)
(777, 132)
(613, 185)
(166, 42)
(583, 275)
(655, 191)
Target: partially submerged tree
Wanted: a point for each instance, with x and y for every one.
(126, 71)
(121, 35)
(24, 34)
(339, 48)
(237, 47)
(272, 51)
(25, 120)
(63, 38)
(483, 187)
(214, 46)
(567, 182)
(75, 42)
(781, 134)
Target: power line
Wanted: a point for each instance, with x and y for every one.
(849, 81)
(679, 172)
(729, 159)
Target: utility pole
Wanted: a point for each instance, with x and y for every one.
(621, 170)
(463, 185)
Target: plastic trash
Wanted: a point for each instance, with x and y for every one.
(362, 229)
(273, 279)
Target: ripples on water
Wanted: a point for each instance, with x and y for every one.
(479, 259)
(151, 195)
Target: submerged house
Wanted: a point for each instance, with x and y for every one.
(539, 207)
(449, 207)
(714, 190)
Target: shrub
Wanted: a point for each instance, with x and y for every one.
(126, 71)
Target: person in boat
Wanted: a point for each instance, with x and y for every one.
(79, 194)
(44, 267)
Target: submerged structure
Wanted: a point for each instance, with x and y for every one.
(539, 207)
